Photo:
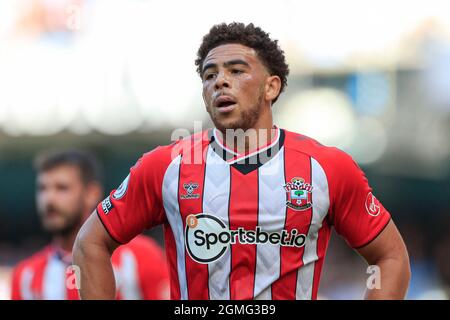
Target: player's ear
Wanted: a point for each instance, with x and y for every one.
(272, 87)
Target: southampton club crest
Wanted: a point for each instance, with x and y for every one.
(298, 194)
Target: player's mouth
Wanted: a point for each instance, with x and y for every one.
(225, 103)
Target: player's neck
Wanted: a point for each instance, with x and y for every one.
(255, 138)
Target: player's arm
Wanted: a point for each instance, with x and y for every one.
(388, 252)
(367, 226)
(136, 205)
(91, 253)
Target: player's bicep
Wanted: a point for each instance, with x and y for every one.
(387, 245)
(94, 233)
(357, 215)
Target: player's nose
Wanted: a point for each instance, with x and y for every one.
(222, 81)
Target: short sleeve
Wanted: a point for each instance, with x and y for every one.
(356, 213)
(137, 203)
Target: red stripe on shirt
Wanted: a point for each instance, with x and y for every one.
(296, 165)
(243, 212)
(171, 253)
(196, 273)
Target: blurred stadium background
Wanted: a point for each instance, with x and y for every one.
(116, 77)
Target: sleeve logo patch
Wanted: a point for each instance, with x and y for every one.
(120, 192)
(373, 206)
(107, 205)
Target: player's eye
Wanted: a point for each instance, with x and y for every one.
(209, 76)
(236, 71)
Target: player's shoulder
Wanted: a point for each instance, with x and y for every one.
(329, 157)
(184, 145)
(34, 261)
(310, 146)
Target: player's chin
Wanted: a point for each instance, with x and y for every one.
(225, 126)
(227, 121)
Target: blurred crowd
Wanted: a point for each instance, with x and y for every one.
(345, 272)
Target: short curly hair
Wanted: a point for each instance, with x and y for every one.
(253, 37)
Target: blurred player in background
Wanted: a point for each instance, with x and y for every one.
(251, 216)
(68, 188)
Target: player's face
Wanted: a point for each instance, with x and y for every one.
(233, 86)
(60, 199)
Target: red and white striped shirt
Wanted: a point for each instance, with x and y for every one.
(252, 226)
(139, 267)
